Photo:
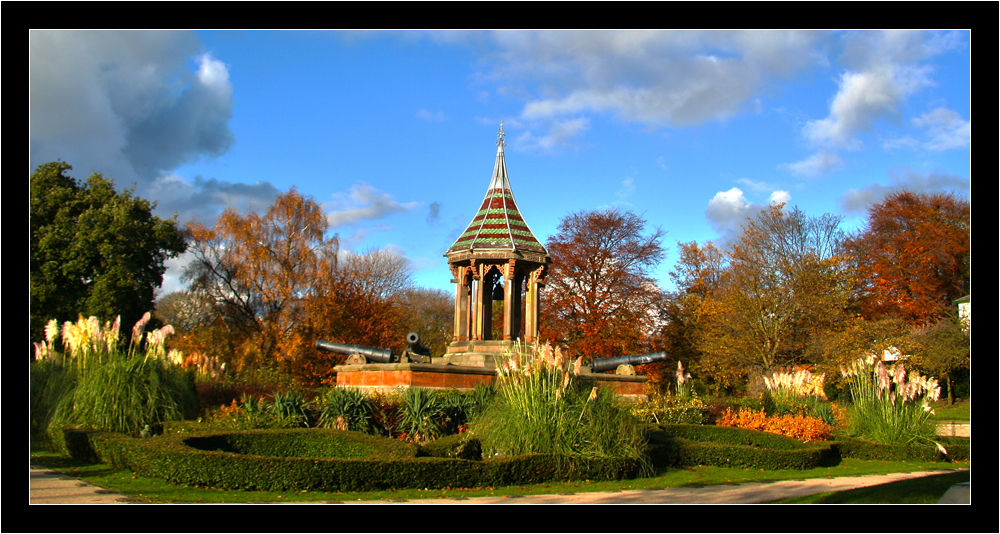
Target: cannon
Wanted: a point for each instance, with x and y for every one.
(368, 354)
(606, 364)
(415, 351)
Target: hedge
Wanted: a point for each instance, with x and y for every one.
(692, 445)
(335, 460)
(182, 459)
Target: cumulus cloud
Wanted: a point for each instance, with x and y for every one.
(362, 202)
(728, 211)
(859, 200)
(883, 70)
(135, 106)
(818, 164)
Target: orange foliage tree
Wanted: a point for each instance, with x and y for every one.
(601, 299)
(258, 270)
(913, 256)
(784, 284)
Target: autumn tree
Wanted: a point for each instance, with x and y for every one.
(601, 298)
(256, 270)
(93, 250)
(431, 314)
(913, 256)
(697, 277)
(941, 349)
(784, 284)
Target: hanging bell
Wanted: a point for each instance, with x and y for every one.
(498, 291)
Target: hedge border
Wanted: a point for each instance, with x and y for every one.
(168, 457)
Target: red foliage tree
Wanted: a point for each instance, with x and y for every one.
(600, 299)
(913, 257)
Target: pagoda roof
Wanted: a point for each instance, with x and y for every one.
(498, 224)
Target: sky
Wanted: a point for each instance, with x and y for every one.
(394, 133)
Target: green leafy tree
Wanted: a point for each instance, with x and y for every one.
(94, 251)
(941, 349)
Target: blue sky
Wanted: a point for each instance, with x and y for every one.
(394, 132)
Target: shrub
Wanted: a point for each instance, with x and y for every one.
(420, 415)
(345, 409)
(670, 409)
(253, 412)
(795, 426)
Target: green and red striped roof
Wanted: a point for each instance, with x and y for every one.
(498, 224)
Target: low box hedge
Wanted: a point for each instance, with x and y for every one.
(693, 445)
(219, 460)
(958, 450)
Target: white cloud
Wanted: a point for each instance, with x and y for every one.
(656, 78)
(363, 202)
(818, 164)
(862, 98)
(780, 197)
(728, 211)
(946, 129)
(560, 135)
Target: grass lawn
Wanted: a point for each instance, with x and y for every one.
(960, 411)
(154, 490)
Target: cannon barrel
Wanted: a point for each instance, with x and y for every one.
(370, 353)
(609, 364)
(413, 340)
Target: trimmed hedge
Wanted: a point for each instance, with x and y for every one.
(397, 465)
(958, 450)
(693, 445)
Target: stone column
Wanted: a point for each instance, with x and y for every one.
(463, 293)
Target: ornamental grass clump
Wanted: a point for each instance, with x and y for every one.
(117, 388)
(890, 406)
(540, 406)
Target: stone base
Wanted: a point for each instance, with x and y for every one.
(631, 387)
(387, 376)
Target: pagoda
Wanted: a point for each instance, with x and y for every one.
(496, 258)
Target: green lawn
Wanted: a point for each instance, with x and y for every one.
(960, 411)
(155, 490)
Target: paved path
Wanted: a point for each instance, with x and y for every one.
(53, 487)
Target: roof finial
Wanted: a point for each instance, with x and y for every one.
(500, 134)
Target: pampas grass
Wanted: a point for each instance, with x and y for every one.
(108, 388)
(541, 407)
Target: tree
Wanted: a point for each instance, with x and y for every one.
(257, 270)
(601, 299)
(913, 256)
(94, 251)
(697, 277)
(431, 314)
(784, 284)
(940, 349)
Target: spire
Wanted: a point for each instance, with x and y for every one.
(498, 224)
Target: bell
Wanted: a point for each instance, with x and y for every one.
(498, 292)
